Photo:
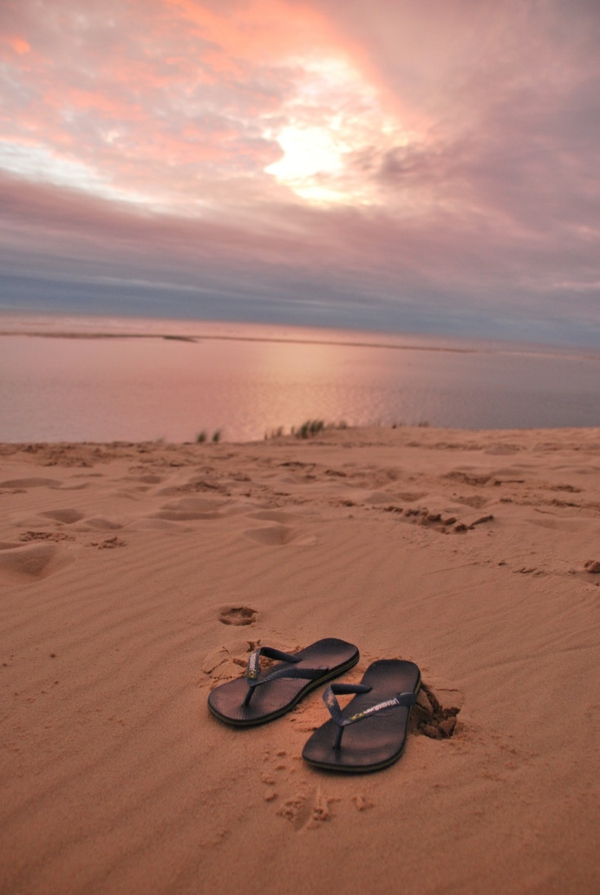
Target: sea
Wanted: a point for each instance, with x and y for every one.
(101, 379)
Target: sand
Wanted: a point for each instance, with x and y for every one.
(133, 578)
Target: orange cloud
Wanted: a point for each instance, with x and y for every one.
(374, 133)
(19, 45)
(259, 30)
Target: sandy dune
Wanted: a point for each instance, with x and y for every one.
(133, 578)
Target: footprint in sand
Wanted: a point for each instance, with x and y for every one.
(99, 523)
(206, 484)
(25, 565)
(377, 497)
(31, 483)
(44, 536)
(158, 525)
(502, 450)
(279, 516)
(278, 535)
(451, 519)
(190, 508)
(144, 479)
(109, 543)
(68, 517)
(238, 615)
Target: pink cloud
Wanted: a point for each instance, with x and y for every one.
(17, 44)
(437, 152)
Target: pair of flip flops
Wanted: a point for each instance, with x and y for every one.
(382, 701)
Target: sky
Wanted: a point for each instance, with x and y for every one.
(422, 166)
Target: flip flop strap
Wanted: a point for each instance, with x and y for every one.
(401, 699)
(253, 669)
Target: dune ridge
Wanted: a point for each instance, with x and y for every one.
(136, 577)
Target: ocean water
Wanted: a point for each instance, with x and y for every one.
(95, 379)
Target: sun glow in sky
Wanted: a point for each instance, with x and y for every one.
(310, 153)
(412, 166)
(334, 118)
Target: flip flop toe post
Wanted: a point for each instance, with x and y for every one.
(265, 694)
(370, 732)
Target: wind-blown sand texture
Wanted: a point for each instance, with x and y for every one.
(133, 578)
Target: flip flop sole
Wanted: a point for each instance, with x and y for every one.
(376, 742)
(277, 697)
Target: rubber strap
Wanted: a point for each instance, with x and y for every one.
(253, 669)
(401, 699)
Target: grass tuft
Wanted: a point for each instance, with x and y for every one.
(306, 430)
(309, 428)
(202, 437)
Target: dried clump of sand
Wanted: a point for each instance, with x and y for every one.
(133, 578)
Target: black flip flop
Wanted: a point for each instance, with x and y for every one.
(264, 695)
(370, 732)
